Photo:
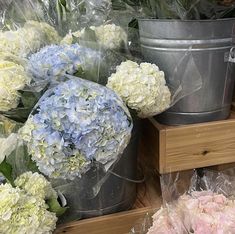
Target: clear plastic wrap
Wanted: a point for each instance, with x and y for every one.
(90, 41)
(186, 9)
(8, 136)
(202, 202)
(98, 49)
(24, 30)
(148, 90)
(76, 136)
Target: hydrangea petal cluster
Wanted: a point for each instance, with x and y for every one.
(12, 79)
(28, 39)
(199, 213)
(142, 87)
(53, 62)
(21, 213)
(78, 123)
(36, 185)
(109, 36)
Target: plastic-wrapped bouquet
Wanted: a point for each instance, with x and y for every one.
(52, 63)
(77, 124)
(26, 205)
(199, 213)
(142, 87)
(194, 203)
(28, 39)
(109, 36)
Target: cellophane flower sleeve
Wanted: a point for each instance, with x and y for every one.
(202, 203)
(25, 29)
(75, 135)
(146, 89)
(8, 136)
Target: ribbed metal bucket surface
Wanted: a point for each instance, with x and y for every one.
(166, 42)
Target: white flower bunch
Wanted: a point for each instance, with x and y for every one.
(109, 36)
(12, 79)
(36, 185)
(28, 39)
(142, 87)
(24, 214)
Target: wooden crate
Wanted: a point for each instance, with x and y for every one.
(167, 149)
(171, 149)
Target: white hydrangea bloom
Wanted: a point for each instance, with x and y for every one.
(28, 39)
(36, 185)
(8, 201)
(143, 87)
(24, 214)
(12, 42)
(109, 36)
(48, 34)
(12, 79)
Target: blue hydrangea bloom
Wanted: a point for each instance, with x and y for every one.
(55, 61)
(77, 123)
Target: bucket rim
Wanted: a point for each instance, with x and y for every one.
(186, 21)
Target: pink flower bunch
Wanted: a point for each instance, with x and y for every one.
(199, 213)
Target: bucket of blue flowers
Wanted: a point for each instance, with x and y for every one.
(75, 136)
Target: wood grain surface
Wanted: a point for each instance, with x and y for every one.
(190, 146)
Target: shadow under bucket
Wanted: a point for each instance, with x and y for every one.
(209, 42)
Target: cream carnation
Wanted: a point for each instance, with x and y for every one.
(24, 214)
(36, 185)
(12, 79)
(109, 36)
(142, 87)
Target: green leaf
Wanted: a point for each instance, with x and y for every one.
(75, 39)
(6, 170)
(55, 207)
(29, 99)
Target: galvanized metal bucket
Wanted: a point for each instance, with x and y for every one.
(165, 42)
(115, 192)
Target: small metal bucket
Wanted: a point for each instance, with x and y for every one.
(165, 42)
(117, 192)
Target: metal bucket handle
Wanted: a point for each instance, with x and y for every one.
(138, 181)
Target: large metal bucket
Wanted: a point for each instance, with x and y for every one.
(117, 192)
(165, 42)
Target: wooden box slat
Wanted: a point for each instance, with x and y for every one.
(120, 223)
(171, 149)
